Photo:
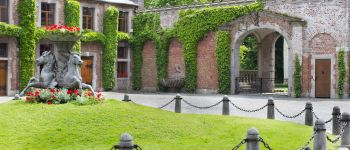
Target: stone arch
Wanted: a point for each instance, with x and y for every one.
(207, 72)
(176, 59)
(264, 23)
(323, 43)
(149, 67)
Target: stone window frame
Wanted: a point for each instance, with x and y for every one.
(7, 7)
(313, 73)
(57, 11)
(127, 60)
(94, 71)
(8, 41)
(95, 16)
(130, 15)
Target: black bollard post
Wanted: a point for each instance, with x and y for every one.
(309, 118)
(178, 103)
(270, 109)
(345, 138)
(126, 98)
(336, 120)
(225, 106)
(320, 141)
(252, 139)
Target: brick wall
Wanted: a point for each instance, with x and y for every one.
(149, 68)
(176, 57)
(207, 72)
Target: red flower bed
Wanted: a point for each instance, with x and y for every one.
(62, 27)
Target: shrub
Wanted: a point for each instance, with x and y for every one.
(297, 77)
(341, 73)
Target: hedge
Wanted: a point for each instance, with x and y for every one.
(223, 54)
(297, 77)
(27, 40)
(341, 73)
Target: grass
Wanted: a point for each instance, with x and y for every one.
(68, 126)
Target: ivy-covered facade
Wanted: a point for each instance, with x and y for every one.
(105, 27)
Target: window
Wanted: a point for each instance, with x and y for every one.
(4, 10)
(3, 50)
(88, 18)
(47, 14)
(123, 21)
(122, 69)
(122, 53)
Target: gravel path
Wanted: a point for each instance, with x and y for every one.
(322, 107)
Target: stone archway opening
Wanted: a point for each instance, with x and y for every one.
(262, 58)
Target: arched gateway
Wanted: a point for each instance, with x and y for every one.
(267, 28)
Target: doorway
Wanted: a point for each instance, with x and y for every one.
(3, 77)
(86, 69)
(323, 78)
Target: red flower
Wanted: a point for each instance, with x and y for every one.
(76, 92)
(53, 96)
(37, 93)
(49, 102)
(69, 92)
(28, 99)
(52, 91)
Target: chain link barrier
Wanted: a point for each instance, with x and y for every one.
(199, 107)
(265, 144)
(308, 142)
(314, 114)
(247, 110)
(166, 104)
(288, 116)
(340, 134)
(239, 144)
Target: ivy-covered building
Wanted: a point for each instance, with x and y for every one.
(105, 26)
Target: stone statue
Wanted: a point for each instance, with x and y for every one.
(72, 78)
(47, 76)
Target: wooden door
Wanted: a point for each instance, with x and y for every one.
(323, 78)
(3, 78)
(86, 70)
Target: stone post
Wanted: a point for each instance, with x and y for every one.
(320, 135)
(345, 138)
(178, 103)
(309, 118)
(270, 109)
(252, 139)
(126, 98)
(336, 120)
(125, 142)
(225, 106)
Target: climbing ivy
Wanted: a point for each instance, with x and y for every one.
(297, 77)
(72, 18)
(222, 54)
(9, 30)
(91, 36)
(191, 28)
(27, 40)
(341, 73)
(109, 54)
(146, 27)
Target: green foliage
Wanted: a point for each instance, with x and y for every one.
(109, 54)
(91, 36)
(249, 54)
(223, 58)
(162, 3)
(9, 30)
(191, 28)
(297, 77)
(72, 18)
(122, 36)
(146, 26)
(341, 73)
(27, 40)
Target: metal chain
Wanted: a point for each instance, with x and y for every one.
(265, 144)
(328, 121)
(308, 142)
(166, 104)
(287, 116)
(239, 144)
(199, 107)
(246, 110)
(340, 134)
(314, 114)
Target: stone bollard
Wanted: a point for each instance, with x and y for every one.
(270, 109)
(125, 142)
(320, 135)
(345, 138)
(178, 103)
(225, 106)
(309, 118)
(126, 98)
(252, 139)
(307, 148)
(336, 120)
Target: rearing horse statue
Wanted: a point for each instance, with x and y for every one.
(72, 78)
(47, 75)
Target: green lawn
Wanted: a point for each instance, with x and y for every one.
(68, 126)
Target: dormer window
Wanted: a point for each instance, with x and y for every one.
(123, 21)
(88, 18)
(4, 10)
(47, 14)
